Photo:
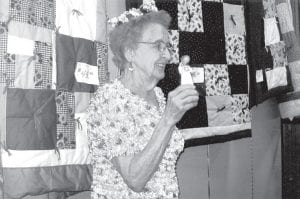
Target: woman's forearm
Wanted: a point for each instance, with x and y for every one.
(137, 170)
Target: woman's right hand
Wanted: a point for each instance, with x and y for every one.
(180, 100)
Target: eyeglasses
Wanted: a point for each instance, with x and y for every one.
(160, 45)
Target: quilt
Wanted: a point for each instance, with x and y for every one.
(53, 56)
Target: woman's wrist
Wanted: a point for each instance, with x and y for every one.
(168, 122)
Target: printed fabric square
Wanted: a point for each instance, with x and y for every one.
(235, 49)
(216, 79)
(219, 111)
(69, 51)
(234, 20)
(195, 117)
(278, 52)
(194, 45)
(77, 18)
(269, 8)
(24, 66)
(240, 109)
(65, 105)
(34, 12)
(190, 16)
(285, 18)
(238, 78)
(31, 119)
(102, 62)
(171, 79)
(171, 7)
(174, 40)
(213, 17)
(43, 65)
(271, 31)
(3, 47)
(8, 74)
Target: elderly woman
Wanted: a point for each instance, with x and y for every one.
(132, 135)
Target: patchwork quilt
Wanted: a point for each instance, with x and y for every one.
(213, 34)
(53, 56)
(267, 51)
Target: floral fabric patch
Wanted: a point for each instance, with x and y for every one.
(190, 16)
(35, 12)
(216, 79)
(235, 49)
(240, 109)
(65, 105)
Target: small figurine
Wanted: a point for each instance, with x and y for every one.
(185, 70)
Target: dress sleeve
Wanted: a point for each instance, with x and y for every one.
(109, 126)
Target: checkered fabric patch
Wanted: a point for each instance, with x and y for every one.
(9, 61)
(35, 12)
(65, 106)
(102, 61)
(43, 65)
(3, 46)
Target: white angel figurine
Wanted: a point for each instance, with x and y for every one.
(185, 70)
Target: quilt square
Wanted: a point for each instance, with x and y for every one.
(77, 18)
(43, 65)
(82, 101)
(38, 13)
(193, 44)
(238, 78)
(171, 7)
(235, 49)
(234, 20)
(190, 16)
(240, 109)
(219, 111)
(271, 31)
(269, 8)
(32, 125)
(174, 40)
(216, 79)
(3, 46)
(102, 61)
(195, 117)
(279, 54)
(9, 61)
(65, 105)
(213, 17)
(71, 51)
(24, 69)
(215, 49)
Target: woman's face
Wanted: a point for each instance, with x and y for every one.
(152, 53)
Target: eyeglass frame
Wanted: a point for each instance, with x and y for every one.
(167, 45)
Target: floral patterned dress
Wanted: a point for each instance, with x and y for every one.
(120, 124)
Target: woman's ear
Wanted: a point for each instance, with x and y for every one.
(129, 54)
